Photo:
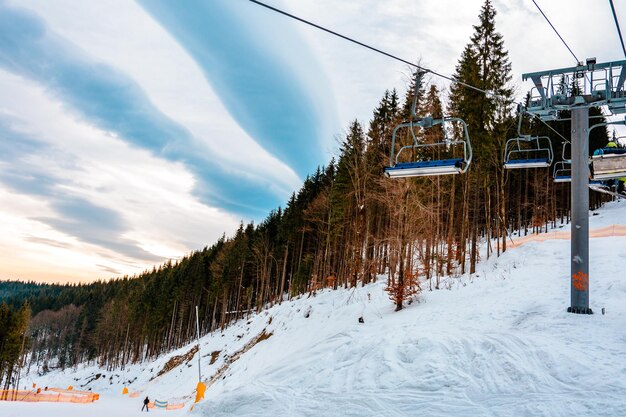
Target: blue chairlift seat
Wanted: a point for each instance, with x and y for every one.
(527, 163)
(562, 171)
(563, 168)
(425, 168)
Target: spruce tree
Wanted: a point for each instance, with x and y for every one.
(484, 64)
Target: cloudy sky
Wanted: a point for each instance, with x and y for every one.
(135, 132)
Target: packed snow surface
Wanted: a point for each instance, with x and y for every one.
(499, 343)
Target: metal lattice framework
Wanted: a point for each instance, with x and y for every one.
(599, 84)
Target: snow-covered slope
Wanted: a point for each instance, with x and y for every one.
(498, 344)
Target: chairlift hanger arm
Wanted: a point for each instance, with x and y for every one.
(619, 122)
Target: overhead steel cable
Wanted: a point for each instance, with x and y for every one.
(557, 32)
(619, 32)
(561, 38)
(349, 39)
(332, 32)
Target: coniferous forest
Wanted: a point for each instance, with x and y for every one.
(346, 225)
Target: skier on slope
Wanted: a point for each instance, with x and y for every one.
(146, 401)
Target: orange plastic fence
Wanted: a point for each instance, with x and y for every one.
(52, 395)
(134, 394)
(608, 231)
(72, 391)
(91, 396)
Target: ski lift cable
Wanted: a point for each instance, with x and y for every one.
(561, 38)
(449, 78)
(619, 32)
(557, 32)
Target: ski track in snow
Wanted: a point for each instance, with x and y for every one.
(497, 344)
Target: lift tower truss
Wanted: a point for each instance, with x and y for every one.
(576, 89)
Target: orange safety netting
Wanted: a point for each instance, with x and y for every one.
(608, 231)
(74, 392)
(134, 394)
(92, 395)
(52, 395)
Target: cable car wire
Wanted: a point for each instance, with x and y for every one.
(619, 32)
(557, 32)
(449, 78)
(561, 38)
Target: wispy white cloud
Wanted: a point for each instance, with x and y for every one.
(279, 99)
(111, 100)
(67, 182)
(137, 45)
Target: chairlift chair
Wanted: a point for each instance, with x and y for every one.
(422, 166)
(419, 164)
(563, 169)
(609, 163)
(562, 172)
(527, 151)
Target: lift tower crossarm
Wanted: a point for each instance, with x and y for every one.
(571, 70)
